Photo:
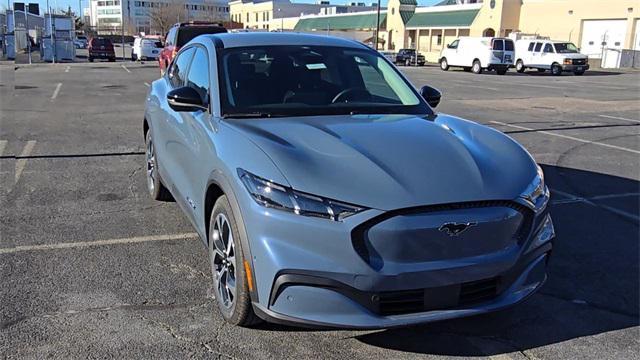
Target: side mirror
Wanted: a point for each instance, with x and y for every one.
(431, 95)
(185, 99)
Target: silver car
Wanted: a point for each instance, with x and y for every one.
(329, 193)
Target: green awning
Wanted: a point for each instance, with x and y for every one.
(340, 22)
(460, 18)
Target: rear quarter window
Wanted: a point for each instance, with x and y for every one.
(187, 33)
(531, 45)
(538, 46)
(508, 45)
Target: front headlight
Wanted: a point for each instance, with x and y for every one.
(568, 61)
(269, 194)
(537, 193)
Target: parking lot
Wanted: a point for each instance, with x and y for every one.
(91, 267)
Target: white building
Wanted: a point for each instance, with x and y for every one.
(108, 15)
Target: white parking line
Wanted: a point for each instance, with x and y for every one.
(56, 91)
(568, 137)
(3, 144)
(125, 68)
(85, 244)
(21, 163)
(147, 84)
(619, 118)
(466, 84)
(577, 198)
(67, 69)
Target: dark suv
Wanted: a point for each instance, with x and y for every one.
(182, 33)
(408, 57)
(101, 48)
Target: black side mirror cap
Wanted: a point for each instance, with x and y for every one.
(185, 99)
(431, 95)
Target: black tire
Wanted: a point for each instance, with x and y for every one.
(476, 68)
(90, 59)
(556, 70)
(236, 310)
(501, 71)
(444, 65)
(112, 60)
(156, 188)
(520, 66)
(578, 73)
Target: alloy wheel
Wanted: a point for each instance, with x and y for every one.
(151, 165)
(224, 261)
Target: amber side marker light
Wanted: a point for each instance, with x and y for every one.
(247, 269)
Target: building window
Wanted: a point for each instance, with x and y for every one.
(256, 17)
(439, 39)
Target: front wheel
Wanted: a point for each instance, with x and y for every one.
(228, 269)
(444, 65)
(520, 66)
(556, 70)
(154, 185)
(476, 67)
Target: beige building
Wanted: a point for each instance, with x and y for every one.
(264, 14)
(593, 25)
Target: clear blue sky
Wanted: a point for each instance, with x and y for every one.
(63, 4)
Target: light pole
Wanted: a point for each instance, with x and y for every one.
(281, 20)
(26, 25)
(377, 25)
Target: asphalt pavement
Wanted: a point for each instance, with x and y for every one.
(92, 268)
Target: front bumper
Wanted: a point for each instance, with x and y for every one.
(313, 272)
(572, 68)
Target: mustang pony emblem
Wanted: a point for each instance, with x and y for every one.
(455, 229)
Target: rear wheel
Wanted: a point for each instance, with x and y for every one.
(476, 67)
(520, 66)
(444, 65)
(228, 267)
(556, 70)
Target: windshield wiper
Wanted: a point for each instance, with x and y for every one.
(256, 114)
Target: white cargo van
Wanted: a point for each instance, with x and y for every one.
(556, 56)
(478, 53)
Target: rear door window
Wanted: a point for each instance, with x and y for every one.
(171, 37)
(179, 67)
(538, 47)
(508, 45)
(498, 44)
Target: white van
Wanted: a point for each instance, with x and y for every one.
(557, 56)
(145, 49)
(478, 53)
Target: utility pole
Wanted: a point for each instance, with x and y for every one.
(122, 24)
(377, 26)
(26, 25)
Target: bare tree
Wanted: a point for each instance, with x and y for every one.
(164, 14)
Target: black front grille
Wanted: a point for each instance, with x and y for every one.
(401, 302)
(579, 61)
(446, 297)
(478, 291)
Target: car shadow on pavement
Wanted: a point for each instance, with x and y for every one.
(593, 280)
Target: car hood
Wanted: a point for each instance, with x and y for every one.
(392, 161)
(574, 56)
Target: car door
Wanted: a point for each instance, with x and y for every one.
(536, 59)
(192, 136)
(452, 53)
(169, 133)
(547, 56)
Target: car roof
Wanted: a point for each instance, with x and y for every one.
(242, 39)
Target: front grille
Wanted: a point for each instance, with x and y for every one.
(420, 300)
(579, 61)
(401, 302)
(478, 291)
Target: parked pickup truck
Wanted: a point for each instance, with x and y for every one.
(408, 57)
(556, 56)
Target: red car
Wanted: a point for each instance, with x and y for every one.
(182, 33)
(101, 48)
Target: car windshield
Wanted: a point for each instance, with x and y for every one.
(312, 80)
(566, 48)
(186, 33)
